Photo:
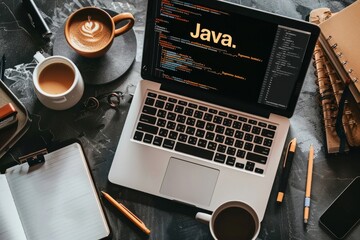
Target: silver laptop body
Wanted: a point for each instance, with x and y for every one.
(151, 157)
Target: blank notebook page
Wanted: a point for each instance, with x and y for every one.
(57, 199)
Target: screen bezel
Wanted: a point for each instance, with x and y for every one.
(255, 108)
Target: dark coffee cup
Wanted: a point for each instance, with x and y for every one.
(232, 220)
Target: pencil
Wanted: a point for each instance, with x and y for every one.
(131, 216)
(308, 184)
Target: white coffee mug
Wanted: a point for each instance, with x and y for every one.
(232, 220)
(57, 82)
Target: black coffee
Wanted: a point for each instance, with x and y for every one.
(234, 223)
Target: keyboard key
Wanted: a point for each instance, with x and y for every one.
(208, 117)
(171, 125)
(248, 146)
(147, 119)
(240, 153)
(149, 110)
(222, 113)
(219, 129)
(192, 140)
(183, 103)
(267, 142)
(147, 128)
(192, 105)
(267, 133)
(138, 136)
(227, 122)
(219, 138)
(258, 140)
(163, 132)
(161, 122)
(272, 127)
(169, 106)
(193, 150)
(239, 165)
(173, 100)
(179, 109)
(162, 97)
(230, 161)
(148, 138)
(202, 143)
(219, 157)
(218, 119)
(150, 94)
(262, 150)
(212, 146)
(250, 166)
(210, 126)
(182, 137)
(210, 135)
(221, 148)
(149, 101)
(181, 119)
(259, 170)
(256, 157)
(173, 135)
(231, 151)
(157, 141)
(159, 104)
(168, 143)
(188, 111)
(161, 113)
(246, 127)
(180, 127)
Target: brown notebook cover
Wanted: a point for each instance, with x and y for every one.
(340, 40)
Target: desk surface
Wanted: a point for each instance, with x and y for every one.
(100, 130)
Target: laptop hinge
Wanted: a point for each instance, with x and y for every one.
(203, 95)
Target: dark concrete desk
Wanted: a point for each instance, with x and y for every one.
(100, 130)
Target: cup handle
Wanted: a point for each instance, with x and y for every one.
(123, 17)
(203, 217)
(39, 57)
(60, 100)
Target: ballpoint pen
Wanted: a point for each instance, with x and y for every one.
(286, 169)
(131, 216)
(308, 184)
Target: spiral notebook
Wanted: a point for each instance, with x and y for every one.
(340, 40)
(53, 199)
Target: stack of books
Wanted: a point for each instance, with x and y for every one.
(337, 64)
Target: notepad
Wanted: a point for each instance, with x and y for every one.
(51, 200)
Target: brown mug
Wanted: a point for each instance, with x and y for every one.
(90, 31)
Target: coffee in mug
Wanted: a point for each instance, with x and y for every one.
(56, 78)
(232, 220)
(58, 83)
(90, 30)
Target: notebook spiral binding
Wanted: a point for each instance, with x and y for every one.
(345, 63)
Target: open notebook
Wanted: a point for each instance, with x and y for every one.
(55, 199)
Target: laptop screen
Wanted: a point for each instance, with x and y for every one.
(222, 49)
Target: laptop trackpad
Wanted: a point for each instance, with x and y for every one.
(189, 182)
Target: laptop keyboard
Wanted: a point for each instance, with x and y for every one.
(188, 127)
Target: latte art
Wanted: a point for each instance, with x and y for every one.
(90, 34)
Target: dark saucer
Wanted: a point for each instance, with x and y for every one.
(104, 69)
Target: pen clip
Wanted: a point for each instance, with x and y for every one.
(288, 149)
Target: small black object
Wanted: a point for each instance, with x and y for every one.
(37, 21)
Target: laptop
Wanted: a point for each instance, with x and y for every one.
(209, 119)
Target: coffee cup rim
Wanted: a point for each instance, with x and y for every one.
(235, 203)
(36, 75)
(67, 23)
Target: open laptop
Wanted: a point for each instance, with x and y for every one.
(209, 120)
